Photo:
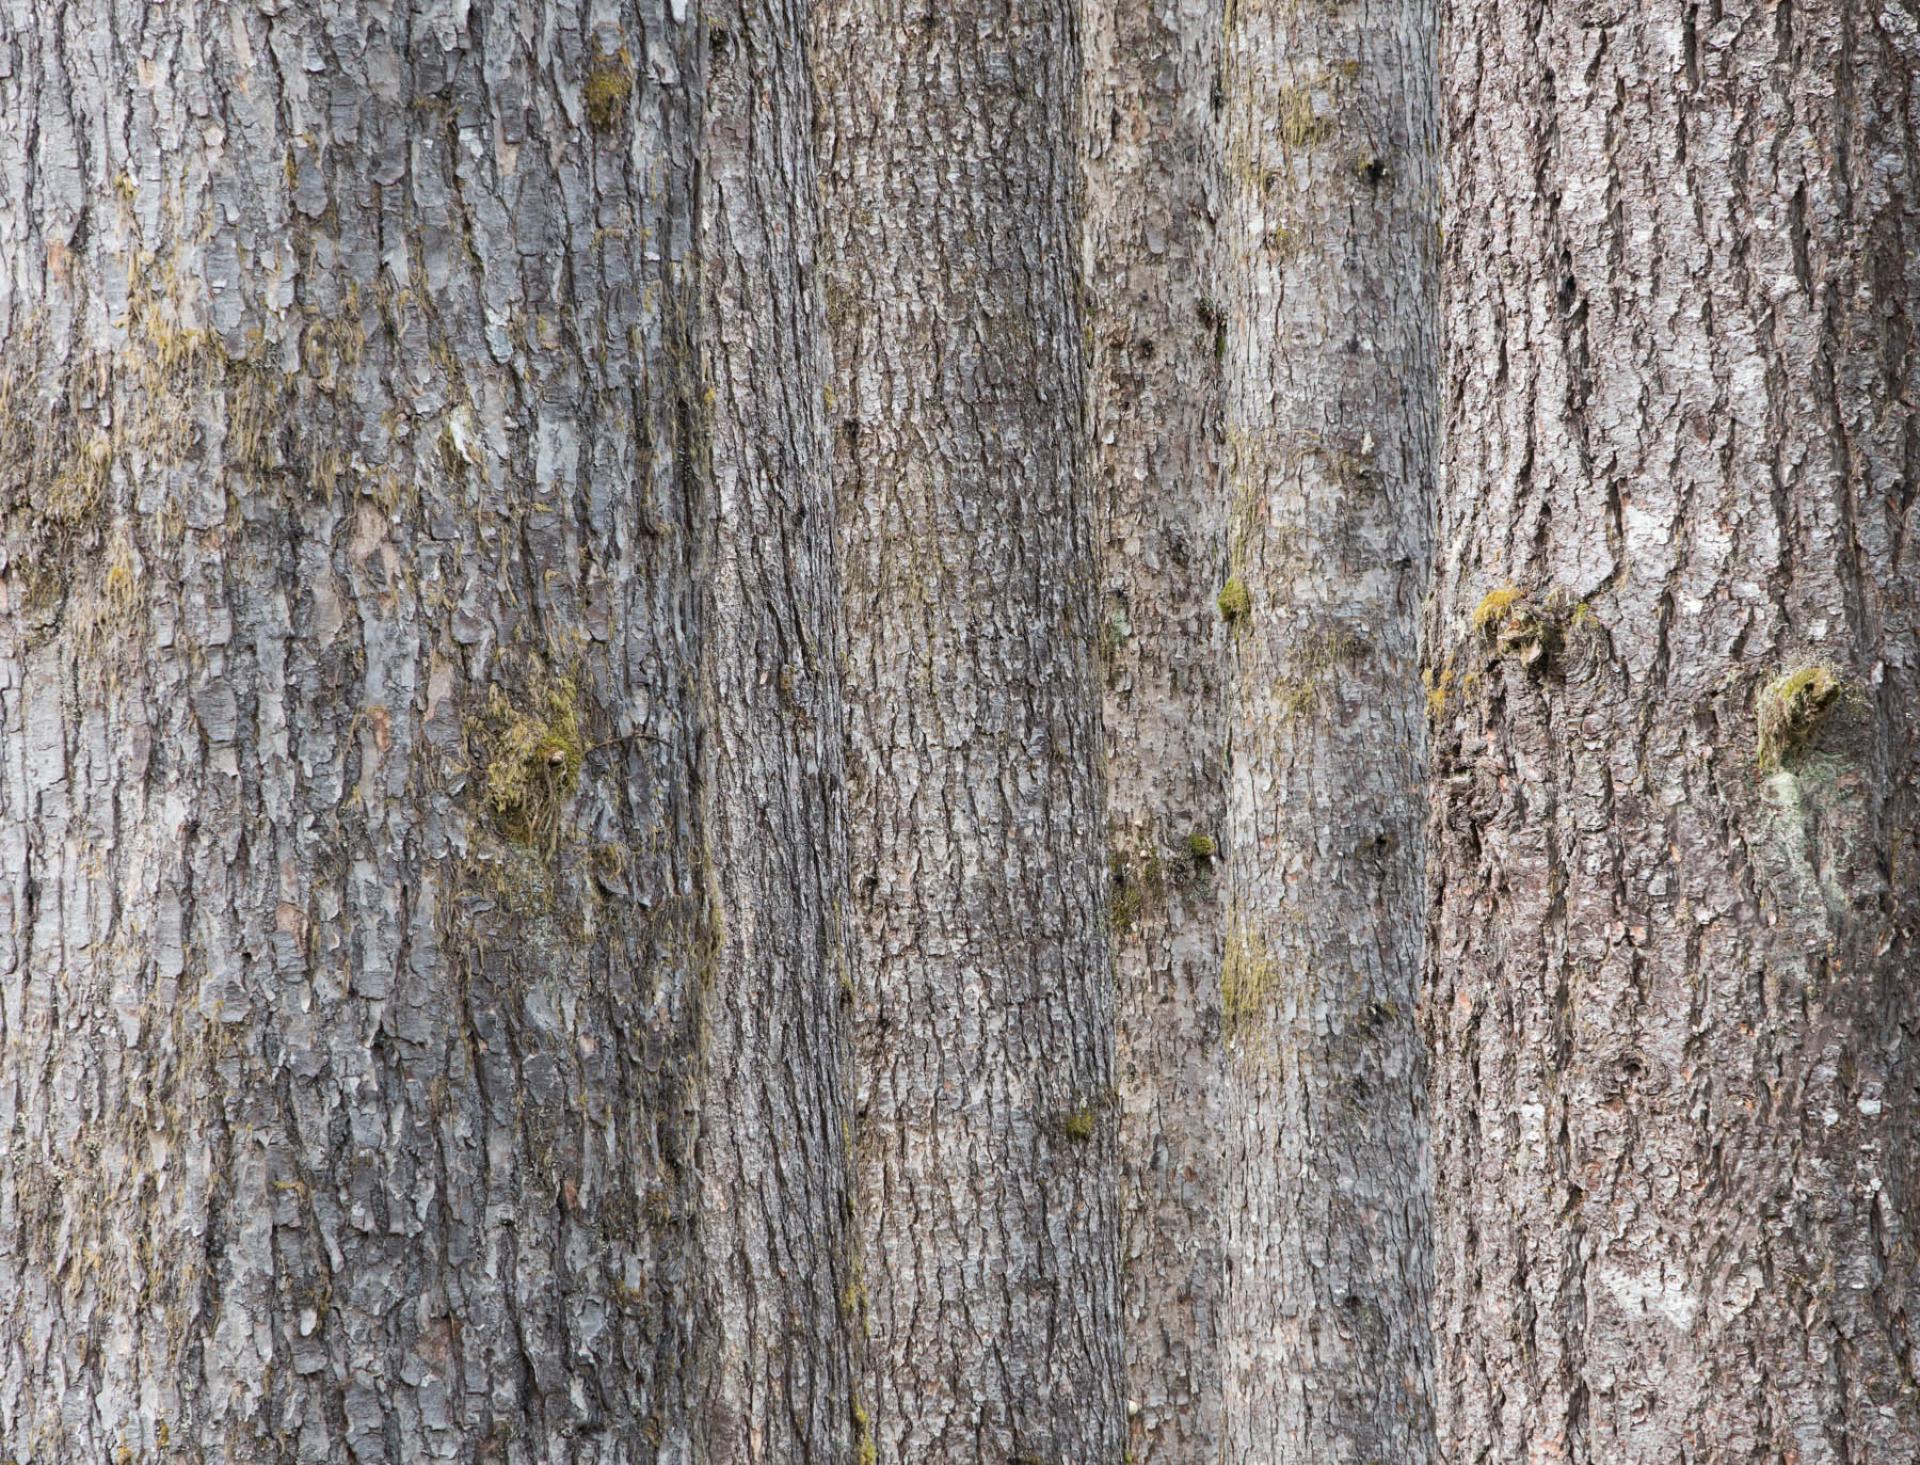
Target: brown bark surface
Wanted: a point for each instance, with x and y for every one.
(1676, 723)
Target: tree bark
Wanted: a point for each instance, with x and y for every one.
(1330, 358)
(985, 1000)
(1673, 896)
(775, 1134)
(353, 910)
(1150, 145)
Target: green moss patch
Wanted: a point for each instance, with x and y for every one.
(1532, 631)
(1235, 601)
(1494, 607)
(609, 88)
(532, 754)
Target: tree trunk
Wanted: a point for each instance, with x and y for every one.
(985, 1000)
(1330, 359)
(1152, 196)
(353, 911)
(775, 1132)
(1673, 893)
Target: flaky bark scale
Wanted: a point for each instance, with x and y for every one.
(1330, 355)
(985, 1002)
(353, 912)
(1672, 967)
(1151, 149)
(775, 1128)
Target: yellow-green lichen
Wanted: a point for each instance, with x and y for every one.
(1301, 124)
(1235, 601)
(1136, 873)
(1316, 656)
(1115, 630)
(1790, 711)
(1493, 608)
(853, 1298)
(533, 751)
(1293, 697)
(1079, 1124)
(1248, 976)
(609, 87)
(865, 1451)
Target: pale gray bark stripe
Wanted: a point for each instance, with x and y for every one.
(1151, 149)
(1331, 354)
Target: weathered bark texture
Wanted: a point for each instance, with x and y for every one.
(1151, 156)
(1331, 355)
(985, 999)
(775, 1131)
(1677, 735)
(353, 911)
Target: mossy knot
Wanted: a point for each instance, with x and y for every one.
(1493, 608)
(1517, 627)
(1790, 711)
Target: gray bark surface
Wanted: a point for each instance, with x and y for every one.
(353, 909)
(775, 1131)
(1330, 360)
(1677, 722)
(985, 1001)
(1150, 150)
